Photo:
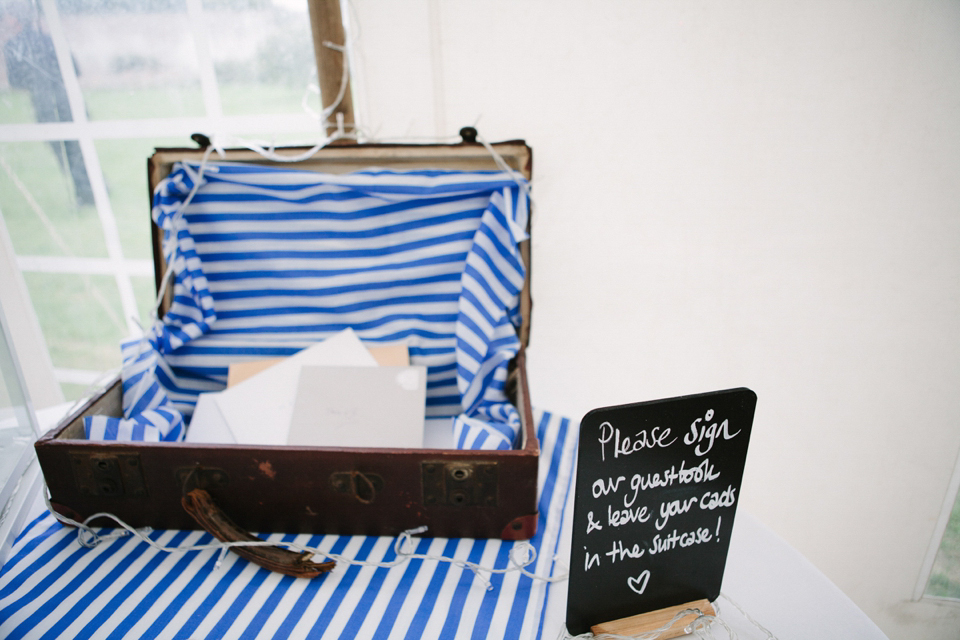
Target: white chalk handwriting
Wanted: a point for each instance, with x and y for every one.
(592, 524)
(625, 516)
(639, 584)
(703, 472)
(620, 552)
(631, 499)
(672, 508)
(703, 435)
(718, 499)
(677, 540)
(625, 445)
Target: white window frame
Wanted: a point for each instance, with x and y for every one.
(20, 490)
(327, 24)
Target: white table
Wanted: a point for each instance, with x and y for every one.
(772, 582)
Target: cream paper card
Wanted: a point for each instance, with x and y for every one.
(258, 410)
(360, 407)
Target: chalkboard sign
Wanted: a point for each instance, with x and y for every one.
(656, 492)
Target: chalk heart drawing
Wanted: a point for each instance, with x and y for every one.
(639, 584)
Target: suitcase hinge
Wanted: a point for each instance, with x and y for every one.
(109, 475)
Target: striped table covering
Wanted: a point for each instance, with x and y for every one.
(51, 587)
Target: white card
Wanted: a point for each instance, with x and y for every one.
(360, 407)
(258, 410)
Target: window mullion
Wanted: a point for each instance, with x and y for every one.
(78, 110)
(92, 162)
(83, 265)
(161, 127)
(201, 45)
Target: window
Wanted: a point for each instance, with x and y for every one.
(940, 577)
(19, 470)
(945, 577)
(87, 89)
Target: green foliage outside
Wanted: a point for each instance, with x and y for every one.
(147, 102)
(15, 107)
(124, 164)
(36, 198)
(281, 60)
(945, 578)
(81, 316)
(250, 98)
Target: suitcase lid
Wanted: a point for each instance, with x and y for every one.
(344, 158)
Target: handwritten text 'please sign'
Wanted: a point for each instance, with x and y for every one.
(657, 488)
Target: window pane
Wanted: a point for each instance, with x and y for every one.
(124, 164)
(145, 291)
(147, 66)
(15, 104)
(45, 200)
(33, 90)
(92, 344)
(262, 53)
(16, 432)
(945, 577)
(14, 421)
(81, 319)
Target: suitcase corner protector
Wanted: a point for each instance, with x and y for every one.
(521, 528)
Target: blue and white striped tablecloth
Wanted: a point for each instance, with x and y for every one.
(51, 587)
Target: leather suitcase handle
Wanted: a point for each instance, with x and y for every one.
(201, 507)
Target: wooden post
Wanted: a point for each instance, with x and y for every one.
(326, 24)
(647, 622)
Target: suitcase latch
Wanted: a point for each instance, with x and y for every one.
(460, 484)
(110, 475)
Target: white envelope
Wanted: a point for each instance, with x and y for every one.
(360, 407)
(258, 410)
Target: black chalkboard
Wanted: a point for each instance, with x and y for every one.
(656, 492)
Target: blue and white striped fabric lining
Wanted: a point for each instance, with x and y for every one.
(51, 587)
(269, 260)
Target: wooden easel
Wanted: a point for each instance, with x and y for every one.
(653, 620)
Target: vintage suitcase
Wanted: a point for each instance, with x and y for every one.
(453, 492)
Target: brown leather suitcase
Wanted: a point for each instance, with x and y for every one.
(454, 493)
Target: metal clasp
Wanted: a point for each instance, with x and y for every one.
(460, 484)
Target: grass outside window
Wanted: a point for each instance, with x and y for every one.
(945, 577)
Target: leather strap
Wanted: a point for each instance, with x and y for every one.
(201, 507)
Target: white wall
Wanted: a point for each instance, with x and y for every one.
(750, 193)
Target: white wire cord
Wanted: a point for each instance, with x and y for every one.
(344, 80)
(749, 618)
(521, 556)
(269, 152)
(503, 166)
(168, 272)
